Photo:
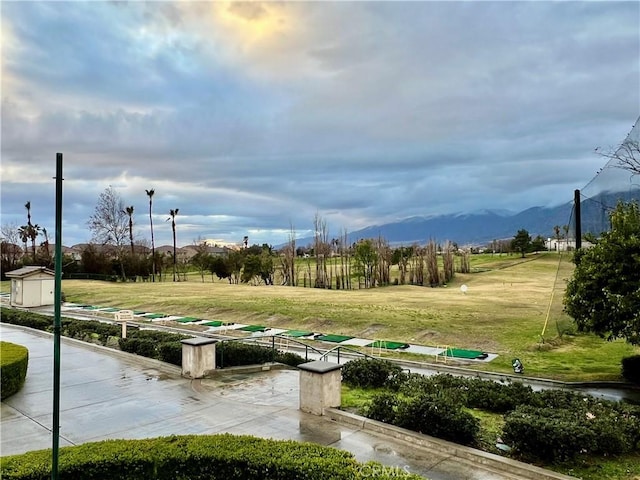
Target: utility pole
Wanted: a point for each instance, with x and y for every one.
(57, 299)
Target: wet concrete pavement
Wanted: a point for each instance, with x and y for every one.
(106, 394)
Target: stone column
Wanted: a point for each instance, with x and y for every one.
(320, 384)
(198, 357)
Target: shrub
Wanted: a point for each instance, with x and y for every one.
(14, 360)
(438, 416)
(631, 368)
(26, 319)
(498, 397)
(547, 434)
(372, 373)
(170, 352)
(233, 353)
(383, 407)
(289, 358)
(142, 347)
(196, 457)
(81, 328)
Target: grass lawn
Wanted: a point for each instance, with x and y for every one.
(504, 311)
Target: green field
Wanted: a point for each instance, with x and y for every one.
(503, 311)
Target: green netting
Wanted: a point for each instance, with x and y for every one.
(253, 328)
(461, 353)
(297, 333)
(388, 345)
(187, 319)
(334, 338)
(214, 323)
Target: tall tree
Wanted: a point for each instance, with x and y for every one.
(28, 207)
(557, 235)
(129, 212)
(366, 259)
(10, 251)
(172, 217)
(521, 242)
(603, 296)
(23, 233)
(32, 231)
(150, 194)
(109, 224)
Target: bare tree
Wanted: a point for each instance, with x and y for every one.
(447, 262)
(202, 259)
(10, 251)
(109, 224)
(626, 156)
(321, 249)
(172, 217)
(432, 264)
(288, 259)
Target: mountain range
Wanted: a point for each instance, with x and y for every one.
(480, 228)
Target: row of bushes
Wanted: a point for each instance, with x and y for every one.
(550, 425)
(14, 360)
(160, 345)
(631, 368)
(224, 457)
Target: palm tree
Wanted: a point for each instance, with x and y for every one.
(172, 217)
(28, 207)
(33, 232)
(129, 211)
(153, 246)
(23, 232)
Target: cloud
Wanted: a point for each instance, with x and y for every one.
(251, 116)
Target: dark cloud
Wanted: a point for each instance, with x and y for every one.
(251, 116)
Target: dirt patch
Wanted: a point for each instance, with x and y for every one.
(371, 330)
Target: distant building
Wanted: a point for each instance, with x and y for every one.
(564, 244)
(31, 286)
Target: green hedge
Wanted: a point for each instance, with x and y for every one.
(14, 360)
(26, 319)
(372, 373)
(224, 457)
(631, 368)
(163, 346)
(435, 415)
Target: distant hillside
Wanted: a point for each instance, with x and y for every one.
(483, 227)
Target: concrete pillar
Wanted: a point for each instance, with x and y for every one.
(320, 384)
(198, 357)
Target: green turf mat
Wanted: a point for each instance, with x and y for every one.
(334, 338)
(110, 309)
(138, 312)
(91, 307)
(154, 315)
(213, 323)
(297, 333)
(253, 328)
(461, 353)
(187, 319)
(388, 345)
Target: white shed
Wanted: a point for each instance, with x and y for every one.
(32, 286)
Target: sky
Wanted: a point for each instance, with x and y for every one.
(251, 117)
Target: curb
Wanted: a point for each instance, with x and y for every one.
(506, 467)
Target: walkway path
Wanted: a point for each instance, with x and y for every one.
(108, 394)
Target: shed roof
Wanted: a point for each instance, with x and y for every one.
(30, 270)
